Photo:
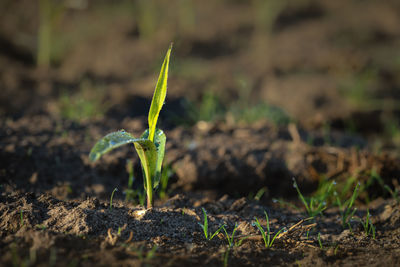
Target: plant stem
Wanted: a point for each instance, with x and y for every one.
(149, 189)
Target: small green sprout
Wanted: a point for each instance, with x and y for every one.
(130, 193)
(21, 218)
(230, 238)
(166, 173)
(119, 231)
(346, 208)
(151, 145)
(319, 241)
(111, 198)
(395, 193)
(314, 205)
(369, 228)
(204, 226)
(267, 236)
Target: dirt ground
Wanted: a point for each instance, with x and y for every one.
(258, 94)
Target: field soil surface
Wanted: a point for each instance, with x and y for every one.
(330, 76)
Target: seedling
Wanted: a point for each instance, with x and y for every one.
(395, 193)
(314, 205)
(130, 193)
(204, 226)
(267, 236)
(346, 209)
(230, 238)
(111, 198)
(369, 228)
(151, 144)
(319, 241)
(166, 173)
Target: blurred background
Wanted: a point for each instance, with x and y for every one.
(327, 65)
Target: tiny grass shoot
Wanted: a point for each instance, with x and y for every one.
(319, 241)
(266, 235)
(314, 205)
(204, 226)
(111, 198)
(394, 193)
(150, 146)
(346, 208)
(369, 228)
(230, 238)
(166, 173)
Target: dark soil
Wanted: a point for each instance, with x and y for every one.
(55, 204)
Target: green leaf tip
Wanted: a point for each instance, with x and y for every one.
(159, 95)
(114, 140)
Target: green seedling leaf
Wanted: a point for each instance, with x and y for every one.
(114, 140)
(160, 93)
(205, 225)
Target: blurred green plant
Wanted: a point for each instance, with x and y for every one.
(316, 204)
(148, 17)
(50, 13)
(357, 88)
(130, 193)
(394, 193)
(368, 226)
(166, 173)
(346, 207)
(87, 103)
(253, 113)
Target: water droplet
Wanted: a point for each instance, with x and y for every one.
(274, 200)
(334, 182)
(294, 185)
(324, 203)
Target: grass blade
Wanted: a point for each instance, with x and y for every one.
(275, 236)
(217, 232)
(205, 225)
